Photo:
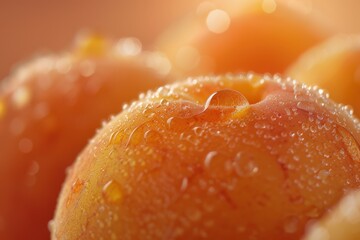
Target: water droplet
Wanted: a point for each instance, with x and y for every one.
(218, 21)
(306, 106)
(244, 166)
(125, 106)
(128, 46)
(184, 184)
(209, 157)
(323, 174)
(116, 137)
(217, 165)
(351, 144)
(21, 97)
(262, 125)
(137, 135)
(198, 131)
(291, 224)
(77, 186)
(112, 192)
(164, 101)
(152, 136)
(227, 98)
(25, 145)
(348, 109)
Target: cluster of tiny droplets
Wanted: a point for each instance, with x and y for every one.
(302, 93)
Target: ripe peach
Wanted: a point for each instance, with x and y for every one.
(228, 157)
(260, 36)
(48, 110)
(334, 66)
(341, 223)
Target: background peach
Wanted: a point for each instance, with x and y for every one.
(342, 222)
(334, 66)
(49, 109)
(234, 36)
(31, 28)
(28, 29)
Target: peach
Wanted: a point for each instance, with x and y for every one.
(231, 36)
(341, 223)
(334, 66)
(222, 157)
(49, 109)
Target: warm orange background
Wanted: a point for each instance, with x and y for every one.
(32, 27)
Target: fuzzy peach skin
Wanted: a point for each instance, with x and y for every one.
(223, 157)
(334, 66)
(49, 109)
(342, 222)
(232, 36)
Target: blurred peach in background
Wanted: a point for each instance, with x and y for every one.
(28, 28)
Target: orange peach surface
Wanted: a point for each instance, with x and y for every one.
(48, 110)
(229, 157)
(334, 66)
(231, 36)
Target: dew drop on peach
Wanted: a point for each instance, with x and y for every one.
(209, 158)
(77, 186)
(229, 102)
(184, 184)
(152, 136)
(351, 144)
(244, 166)
(226, 98)
(306, 106)
(112, 192)
(137, 135)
